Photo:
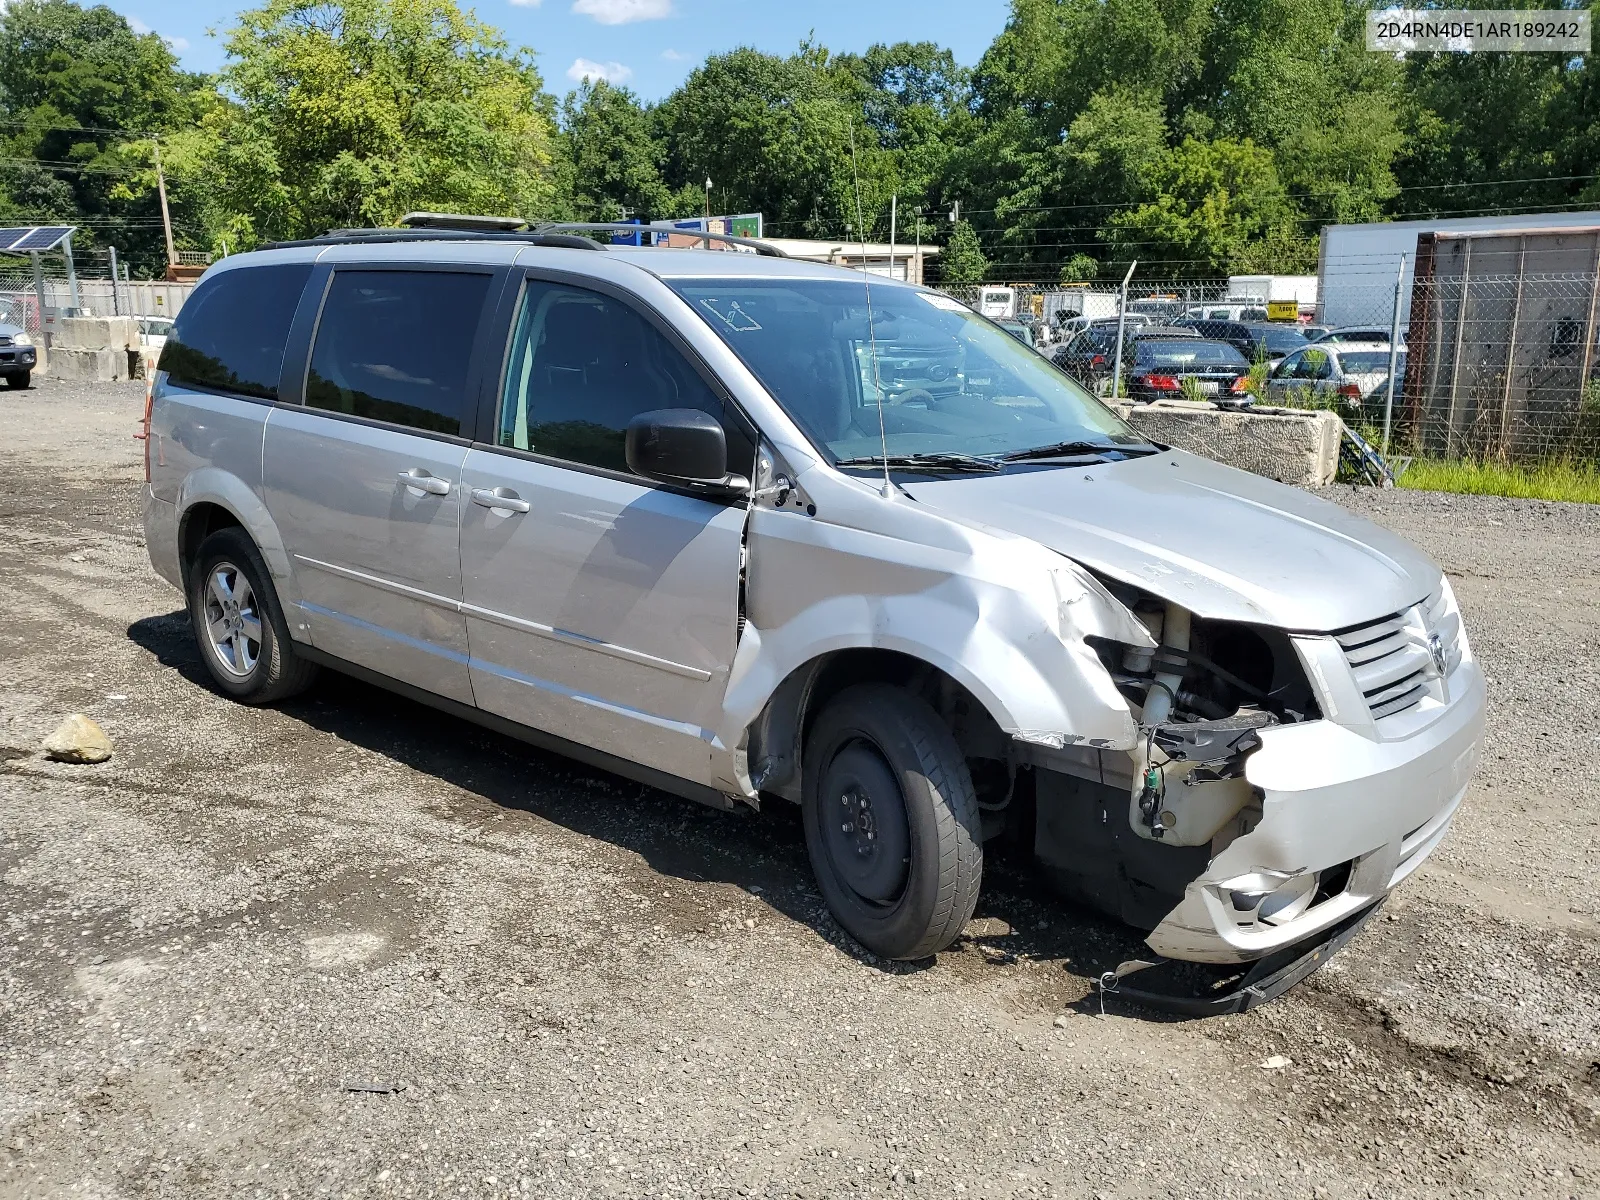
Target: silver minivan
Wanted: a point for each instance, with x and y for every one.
(668, 511)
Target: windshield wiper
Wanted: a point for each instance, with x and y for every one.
(931, 461)
(1068, 449)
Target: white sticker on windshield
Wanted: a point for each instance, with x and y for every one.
(731, 314)
(944, 302)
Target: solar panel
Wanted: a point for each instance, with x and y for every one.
(20, 239)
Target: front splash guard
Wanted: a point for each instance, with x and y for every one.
(1266, 979)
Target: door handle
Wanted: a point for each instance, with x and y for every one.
(421, 480)
(500, 498)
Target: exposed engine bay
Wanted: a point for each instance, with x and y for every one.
(1126, 831)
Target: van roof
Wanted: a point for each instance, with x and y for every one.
(663, 262)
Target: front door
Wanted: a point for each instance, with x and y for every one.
(601, 607)
(364, 481)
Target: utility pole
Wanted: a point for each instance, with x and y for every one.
(894, 203)
(708, 201)
(1122, 318)
(116, 309)
(166, 216)
(1394, 351)
(918, 258)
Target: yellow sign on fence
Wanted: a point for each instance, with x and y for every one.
(1283, 310)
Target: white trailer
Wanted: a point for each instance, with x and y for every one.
(1356, 264)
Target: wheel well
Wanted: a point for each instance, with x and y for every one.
(199, 523)
(777, 737)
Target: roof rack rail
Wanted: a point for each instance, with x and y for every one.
(760, 247)
(465, 221)
(454, 227)
(426, 234)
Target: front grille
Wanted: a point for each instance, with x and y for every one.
(1390, 659)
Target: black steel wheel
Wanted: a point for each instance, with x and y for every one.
(891, 821)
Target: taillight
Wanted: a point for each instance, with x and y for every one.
(1350, 391)
(1162, 383)
(144, 431)
(1099, 360)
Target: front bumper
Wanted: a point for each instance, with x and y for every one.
(1332, 799)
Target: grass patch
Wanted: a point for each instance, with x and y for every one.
(1561, 479)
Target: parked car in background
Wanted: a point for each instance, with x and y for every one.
(1351, 374)
(1090, 358)
(1226, 310)
(1157, 308)
(1020, 330)
(1360, 333)
(153, 332)
(17, 356)
(1258, 341)
(1312, 333)
(1074, 325)
(1175, 368)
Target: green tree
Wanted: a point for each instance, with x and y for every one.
(1080, 268)
(779, 136)
(963, 259)
(614, 154)
(1207, 203)
(352, 112)
(80, 94)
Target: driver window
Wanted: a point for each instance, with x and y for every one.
(582, 365)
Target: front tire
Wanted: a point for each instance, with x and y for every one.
(891, 822)
(20, 380)
(239, 624)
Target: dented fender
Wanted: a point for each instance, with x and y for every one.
(1004, 617)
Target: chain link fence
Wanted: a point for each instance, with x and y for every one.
(26, 301)
(1491, 366)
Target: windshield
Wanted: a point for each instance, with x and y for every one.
(1188, 352)
(945, 381)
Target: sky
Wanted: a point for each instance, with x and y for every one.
(649, 45)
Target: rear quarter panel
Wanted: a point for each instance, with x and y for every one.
(206, 448)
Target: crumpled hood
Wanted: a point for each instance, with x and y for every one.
(1221, 542)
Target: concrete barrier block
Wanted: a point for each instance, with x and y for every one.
(98, 333)
(1290, 445)
(99, 366)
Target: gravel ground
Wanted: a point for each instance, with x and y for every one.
(350, 947)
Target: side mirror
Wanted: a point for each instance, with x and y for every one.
(678, 445)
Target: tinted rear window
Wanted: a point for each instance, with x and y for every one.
(1186, 353)
(395, 346)
(230, 333)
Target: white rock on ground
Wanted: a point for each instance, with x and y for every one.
(78, 740)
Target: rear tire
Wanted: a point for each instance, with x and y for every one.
(238, 622)
(891, 821)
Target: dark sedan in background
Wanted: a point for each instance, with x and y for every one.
(1258, 341)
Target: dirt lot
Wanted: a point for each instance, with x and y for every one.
(349, 946)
